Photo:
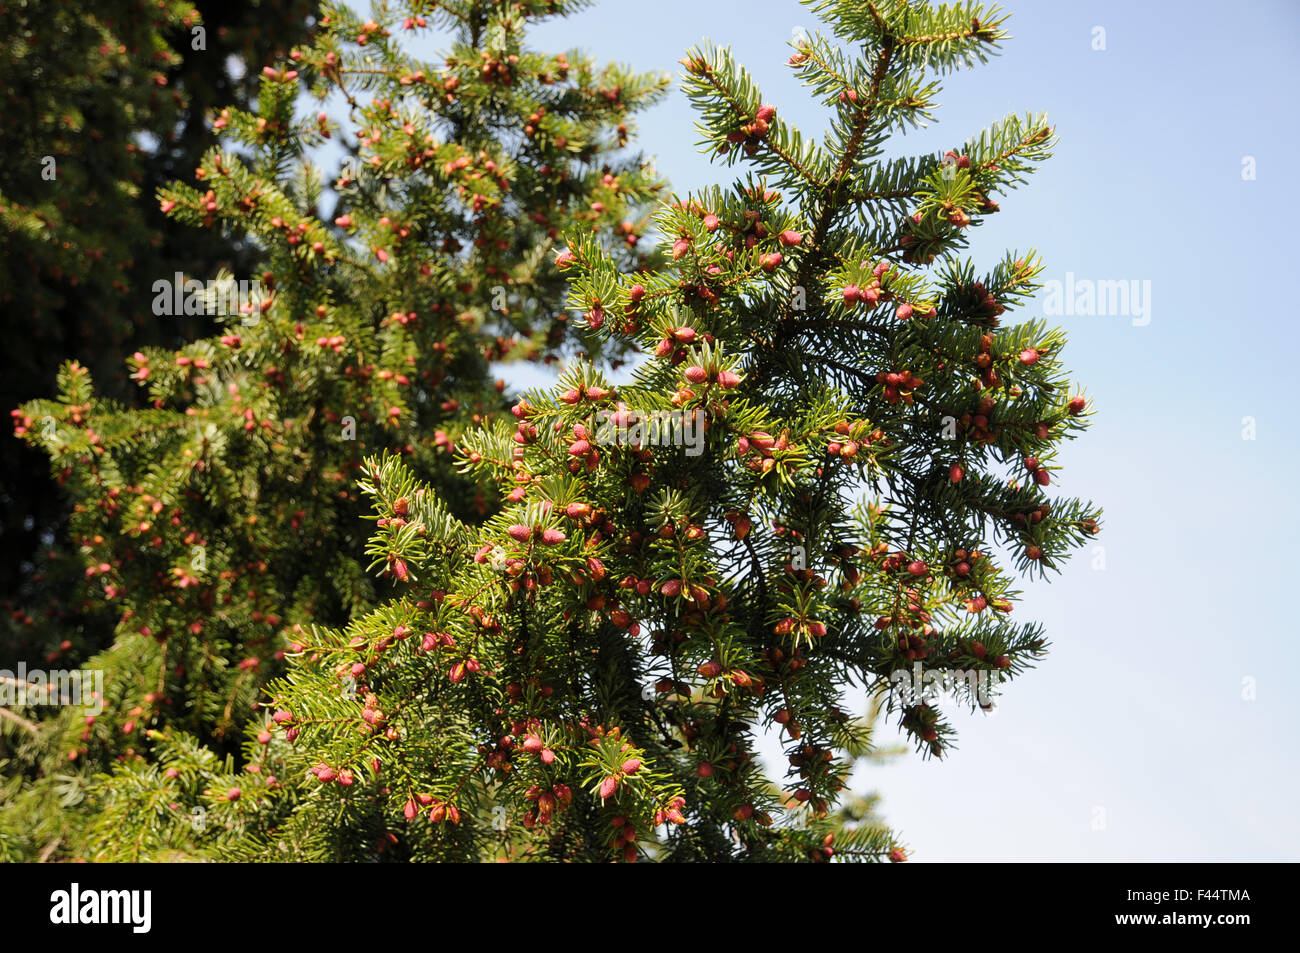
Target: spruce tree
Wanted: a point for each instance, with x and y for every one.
(100, 104)
(861, 468)
(222, 521)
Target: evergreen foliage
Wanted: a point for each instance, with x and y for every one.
(223, 518)
(563, 633)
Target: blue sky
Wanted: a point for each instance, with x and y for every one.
(1133, 740)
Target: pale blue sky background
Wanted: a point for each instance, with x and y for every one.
(1138, 710)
